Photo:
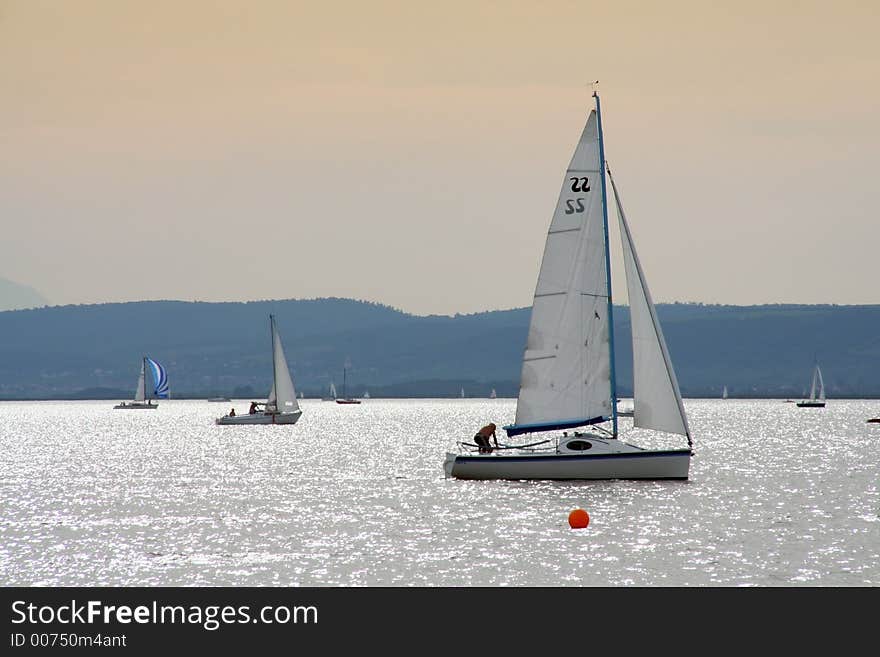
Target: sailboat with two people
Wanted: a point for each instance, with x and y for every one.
(160, 386)
(280, 406)
(568, 378)
(817, 391)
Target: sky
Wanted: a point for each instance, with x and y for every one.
(411, 153)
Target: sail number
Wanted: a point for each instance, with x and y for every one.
(572, 209)
(576, 205)
(580, 184)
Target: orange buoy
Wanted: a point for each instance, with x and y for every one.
(578, 519)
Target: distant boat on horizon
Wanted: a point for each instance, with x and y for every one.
(160, 389)
(345, 398)
(331, 393)
(815, 401)
(724, 393)
(280, 406)
(219, 399)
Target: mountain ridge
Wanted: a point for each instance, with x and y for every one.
(216, 348)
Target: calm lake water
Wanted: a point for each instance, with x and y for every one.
(355, 496)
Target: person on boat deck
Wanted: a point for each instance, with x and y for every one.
(231, 412)
(482, 438)
(253, 408)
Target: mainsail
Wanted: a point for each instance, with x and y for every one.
(139, 393)
(282, 397)
(566, 371)
(817, 379)
(656, 396)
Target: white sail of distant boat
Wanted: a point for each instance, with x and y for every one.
(281, 406)
(493, 394)
(366, 394)
(331, 393)
(462, 393)
(568, 375)
(160, 386)
(724, 393)
(817, 391)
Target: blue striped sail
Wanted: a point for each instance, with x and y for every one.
(160, 377)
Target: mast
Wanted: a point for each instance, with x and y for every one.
(274, 368)
(607, 265)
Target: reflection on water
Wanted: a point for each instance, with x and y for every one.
(355, 496)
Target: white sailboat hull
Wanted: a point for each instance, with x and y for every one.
(135, 405)
(578, 456)
(642, 464)
(260, 418)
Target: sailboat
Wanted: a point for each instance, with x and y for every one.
(366, 394)
(345, 398)
(815, 401)
(462, 393)
(724, 393)
(493, 394)
(331, 393)
(568, 380)
(280, 406)
(160, 389)
(625, 410)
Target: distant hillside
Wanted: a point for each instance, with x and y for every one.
(223, 349)
(14, 296)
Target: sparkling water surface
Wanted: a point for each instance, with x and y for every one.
(354, 495)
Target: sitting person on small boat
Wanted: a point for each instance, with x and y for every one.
(253, 408)
(482, 438)
(231, 412)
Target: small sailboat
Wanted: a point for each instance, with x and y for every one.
(160, 387)
(331, 393)
(281, 406)
(815, 400)
(625, 410)
(724, 393)
(345, 398)
(568, 376)
(366, 394)
(462, 393)
(493, 394)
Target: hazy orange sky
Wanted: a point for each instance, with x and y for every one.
(411, 153)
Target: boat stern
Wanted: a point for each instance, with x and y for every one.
(449, 464)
